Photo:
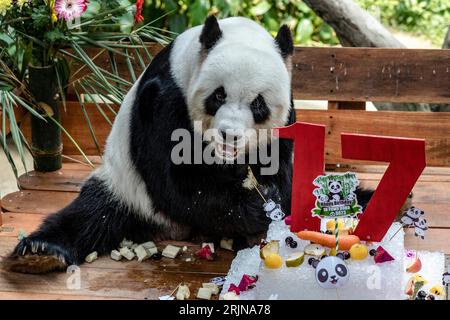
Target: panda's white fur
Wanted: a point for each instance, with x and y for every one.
(138, 192)
(246, 61)
(245, 50)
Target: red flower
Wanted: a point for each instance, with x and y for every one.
(138, 15)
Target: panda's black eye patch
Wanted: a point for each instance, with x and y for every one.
(259, 109)
(322, 275)
(341, 270)
(215, 101)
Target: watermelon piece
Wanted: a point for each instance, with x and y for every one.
(382, 255)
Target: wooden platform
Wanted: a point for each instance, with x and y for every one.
(43, 194)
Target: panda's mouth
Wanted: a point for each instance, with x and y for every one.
(334, 281)
(226, 151)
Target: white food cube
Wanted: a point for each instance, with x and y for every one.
(183, 292)
(184, 249)
(226, 244)
(141, 253)
(204, 293)
(151, 251)
(210, 244)
(214, 287)
(91, 257)
(115, 255)
(148, 245)
(127, 253)
(171, 251)
(126, 243)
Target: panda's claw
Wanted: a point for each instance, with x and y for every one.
(36, 256)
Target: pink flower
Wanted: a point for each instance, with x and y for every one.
(69, 9)
(138, 15)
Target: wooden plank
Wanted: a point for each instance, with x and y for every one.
(434, 127)
(11, 295)
(107, 278)
(350, 74)
(435, 240)
(41, 202)
(219, 266)
(114, 283)
(14, 222)
(61, 180)
(371, 74)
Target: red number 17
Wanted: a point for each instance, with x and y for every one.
(406, 159)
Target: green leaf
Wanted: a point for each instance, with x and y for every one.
(304, 31)
(260, 8)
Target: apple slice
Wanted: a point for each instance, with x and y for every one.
(415, 266)
(295, 260)
(271, 247)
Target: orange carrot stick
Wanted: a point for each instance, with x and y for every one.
(328, 240)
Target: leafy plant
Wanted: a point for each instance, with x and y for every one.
(427, 18)
(307, 27)
(40, 33)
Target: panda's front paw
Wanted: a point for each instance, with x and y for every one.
(35, 256)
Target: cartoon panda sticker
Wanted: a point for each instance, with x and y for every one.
(331, 272)
(420, 227)
(411, 216)
(273, 210)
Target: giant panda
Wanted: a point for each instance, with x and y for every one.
(229, 75)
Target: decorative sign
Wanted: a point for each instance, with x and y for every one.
(336, 196)
(406, 158)
(414, 217)
(309, 162)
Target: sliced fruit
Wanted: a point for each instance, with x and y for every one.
(382, 255)
(273, 261)
(410, 287)
(438, 290)
(358, 251)
(419, 278)
(295, 259)
(315, 250)
(271, 247)
(415, 266)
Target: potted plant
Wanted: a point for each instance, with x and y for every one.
(38, 41)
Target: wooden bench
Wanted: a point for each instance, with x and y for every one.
(345, 77)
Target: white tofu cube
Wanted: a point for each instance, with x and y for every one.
(141, 253)
(226, 244)
(171, 251)
(148, 245)
(204, 293)
(230, 296)
(115, 255)
(91, 257)
(127, 253)
(151, 251)
(212, 286)
(126, 243)
(183, 292)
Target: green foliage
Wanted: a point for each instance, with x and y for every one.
(427, 18)
(306, 26)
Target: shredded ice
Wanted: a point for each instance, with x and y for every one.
(368, 280)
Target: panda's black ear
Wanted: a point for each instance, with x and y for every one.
(315, 263)
(285, 42)
(211, 33)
